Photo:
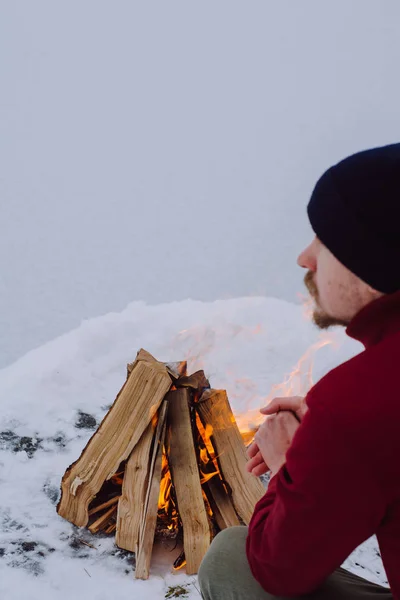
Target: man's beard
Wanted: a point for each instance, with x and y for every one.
(320, 318)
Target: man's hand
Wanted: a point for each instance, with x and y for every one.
(260, 464)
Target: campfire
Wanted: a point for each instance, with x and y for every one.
(168, 461)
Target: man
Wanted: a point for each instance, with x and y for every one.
(334, 457)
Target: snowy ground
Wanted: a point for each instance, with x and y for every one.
(52, 398)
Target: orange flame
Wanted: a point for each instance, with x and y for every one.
(207, 477)
(297, 383)
(180, 562)
(117, 478)
(166, 508)
(206, 433)
(204, 455)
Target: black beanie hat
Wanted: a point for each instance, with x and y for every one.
(355, 212)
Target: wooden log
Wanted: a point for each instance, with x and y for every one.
(175, 369)
(141, 355)
(119, 432)
(196, 381)
(214, 409)
(148, 521)
(186, 480)
(104, 505)
(157, 447)
(221, 504)
(111, 528)
(135, 485)
(103, 520)
(219, 497)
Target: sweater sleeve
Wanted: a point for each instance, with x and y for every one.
(322, 504)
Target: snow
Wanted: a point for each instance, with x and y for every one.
(119, 125)
(245, 345)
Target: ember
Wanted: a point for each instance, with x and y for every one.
(167, 461)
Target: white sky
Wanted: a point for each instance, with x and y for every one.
(164, 150)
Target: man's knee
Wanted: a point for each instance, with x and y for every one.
(225, 559)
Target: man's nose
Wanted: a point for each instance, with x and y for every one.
(307, 258)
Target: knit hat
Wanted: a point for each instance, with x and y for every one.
(355, 211)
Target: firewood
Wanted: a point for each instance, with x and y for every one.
(141, 355)
(217, 494)
(221, 504)
(159, 438)
(104, 505)
(102, 521)
(119, 432)
(135, 485)
(148, 522)
(197, 381)
(185, 477)
(163, 425)
(176, 369)
(214, 409)
(133, 493)
(111, 528)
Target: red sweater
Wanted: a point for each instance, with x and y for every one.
(341, 480)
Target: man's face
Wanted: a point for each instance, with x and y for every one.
(338, 294)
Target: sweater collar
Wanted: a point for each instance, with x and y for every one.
(376, 321)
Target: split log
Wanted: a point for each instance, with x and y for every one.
(214, 409)
(104, 505)
(148, 516)
(197, 382)
(141, 355)
(134, 487)
(103, 521)
(218, 496)
(185, 478)
(176, 369)
(119, 432)
(221, 504)
(111, 528)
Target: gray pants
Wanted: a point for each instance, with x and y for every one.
(225, 575)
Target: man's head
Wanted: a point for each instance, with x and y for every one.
(355, 213)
